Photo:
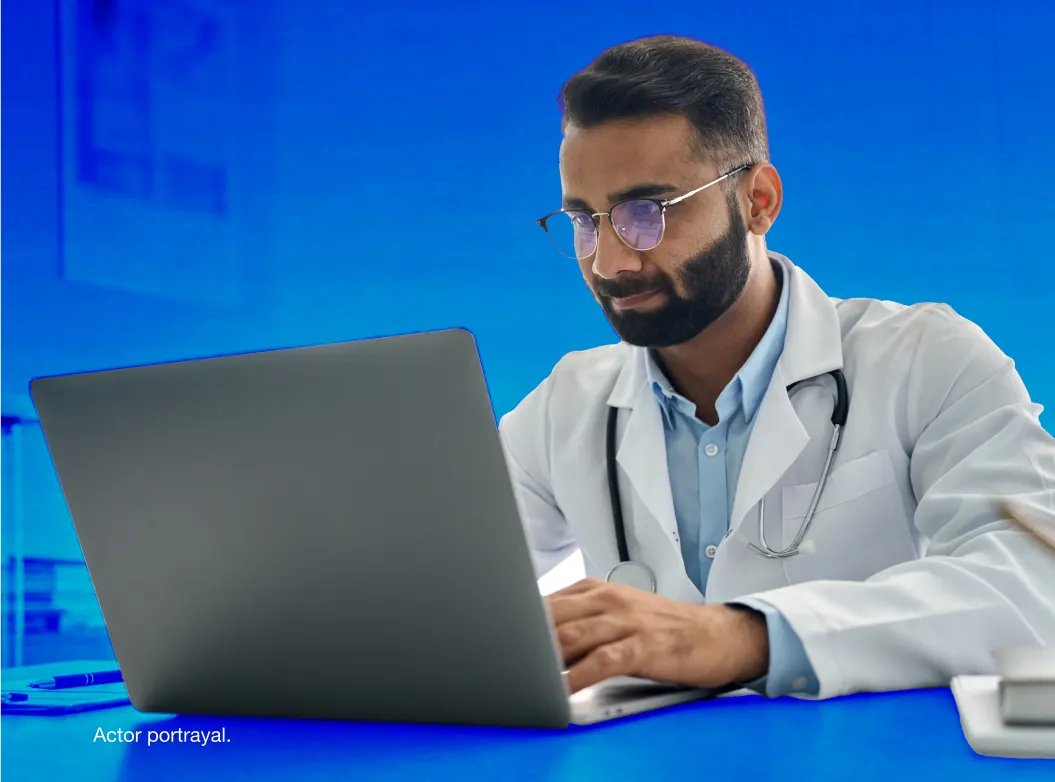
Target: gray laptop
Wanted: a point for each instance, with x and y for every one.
(320, 532)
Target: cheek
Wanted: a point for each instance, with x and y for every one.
(680, 241)
(667, 262)
(586, 267)
(694, 229)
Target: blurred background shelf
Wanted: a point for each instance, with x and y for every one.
(59, 617)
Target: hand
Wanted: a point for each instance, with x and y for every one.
(607, 630)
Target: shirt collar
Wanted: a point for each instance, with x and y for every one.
(748, 387)
(757, 371)
(666, 397)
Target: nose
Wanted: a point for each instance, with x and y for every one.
(612, 255)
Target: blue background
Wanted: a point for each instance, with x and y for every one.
(387, 161)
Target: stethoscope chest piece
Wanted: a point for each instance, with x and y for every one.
(633, 574)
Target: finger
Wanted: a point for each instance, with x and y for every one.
(592, 597)
(580, 637)
(572, 607)
(574, 602)
(579, 587)
(621, 658)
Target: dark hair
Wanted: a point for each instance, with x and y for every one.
(668, 74)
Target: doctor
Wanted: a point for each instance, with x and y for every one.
(733, 568)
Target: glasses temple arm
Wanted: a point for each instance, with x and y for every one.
(682, 197)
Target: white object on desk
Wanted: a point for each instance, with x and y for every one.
(978, 700)
(1027, 684)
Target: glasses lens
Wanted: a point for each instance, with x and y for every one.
(639, 223)
(573, 233)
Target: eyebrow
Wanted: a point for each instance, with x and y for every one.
(637, 191)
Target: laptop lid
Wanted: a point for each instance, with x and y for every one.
(326, 531)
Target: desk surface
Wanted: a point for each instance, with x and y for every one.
(894, 737)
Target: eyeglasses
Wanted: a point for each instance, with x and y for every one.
(639, 222)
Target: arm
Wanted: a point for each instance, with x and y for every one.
(525, 444)
(982, 584)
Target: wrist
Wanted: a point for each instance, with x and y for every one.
(749, 637)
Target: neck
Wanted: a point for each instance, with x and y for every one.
(700, 368)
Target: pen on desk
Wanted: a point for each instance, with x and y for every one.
(1021, 519)
(78, 680)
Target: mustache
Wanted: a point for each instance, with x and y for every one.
(622, 287)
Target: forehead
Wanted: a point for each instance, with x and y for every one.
(621, 154)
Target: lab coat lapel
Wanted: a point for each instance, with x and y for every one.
(812, 346)
(641, 450)
(777, 439)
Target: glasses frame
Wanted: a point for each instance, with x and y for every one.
(662, 203)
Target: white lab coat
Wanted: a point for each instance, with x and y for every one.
(911, 576)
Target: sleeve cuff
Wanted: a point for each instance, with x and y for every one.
(790, 672)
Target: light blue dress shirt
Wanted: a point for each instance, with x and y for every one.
(704, 465)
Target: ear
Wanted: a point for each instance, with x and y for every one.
(765, 193)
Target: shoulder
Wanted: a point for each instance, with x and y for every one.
(580, 377)
(934, 327)
(929, 348)
(589, 371)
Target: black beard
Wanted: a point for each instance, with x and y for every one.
(713, 280)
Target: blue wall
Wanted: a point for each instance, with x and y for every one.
(914, 139)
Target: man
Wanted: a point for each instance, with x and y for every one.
(906, 573)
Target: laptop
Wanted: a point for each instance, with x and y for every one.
(318, 532)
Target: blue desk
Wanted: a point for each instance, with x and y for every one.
(896, 737)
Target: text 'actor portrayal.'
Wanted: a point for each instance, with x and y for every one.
(727, 385)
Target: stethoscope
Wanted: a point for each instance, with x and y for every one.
(639, 575)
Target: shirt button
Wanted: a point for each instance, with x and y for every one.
(711, 449)
(799, 683)
(710, 551)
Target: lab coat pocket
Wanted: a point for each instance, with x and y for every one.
(859, 527)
